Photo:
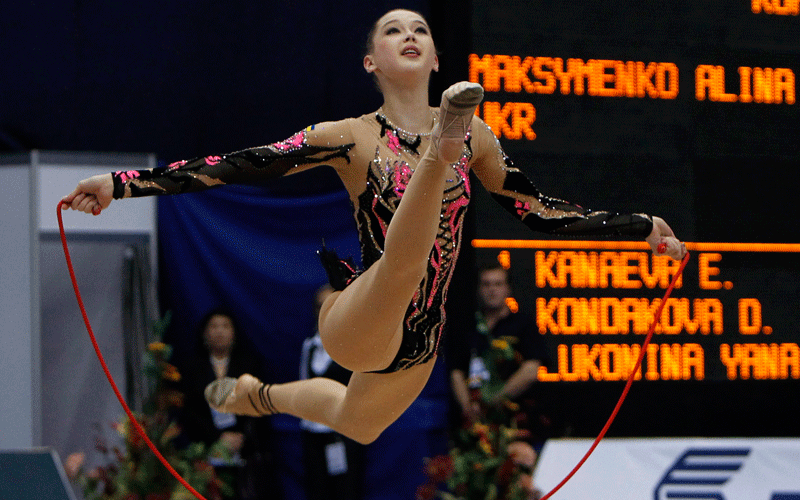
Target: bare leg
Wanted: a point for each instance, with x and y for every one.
(361, 410)
(361, 327)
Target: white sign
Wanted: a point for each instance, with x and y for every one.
(673, 469)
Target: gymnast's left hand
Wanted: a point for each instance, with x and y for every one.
(91, 196)
(663, 237)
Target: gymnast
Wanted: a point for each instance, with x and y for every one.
(383, 322)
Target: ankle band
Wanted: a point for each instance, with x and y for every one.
(271, 406)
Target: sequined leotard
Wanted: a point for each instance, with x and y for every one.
(375, 161)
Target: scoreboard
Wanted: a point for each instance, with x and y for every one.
(685, 110)
(595, 301)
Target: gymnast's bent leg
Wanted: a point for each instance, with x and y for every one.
(363, 409)
(361, 326)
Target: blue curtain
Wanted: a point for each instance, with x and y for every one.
(253, 250)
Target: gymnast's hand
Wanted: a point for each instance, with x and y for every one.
(663, 241)
(91, 196)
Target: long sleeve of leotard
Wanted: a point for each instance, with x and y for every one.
(323, 144)
(512, 189)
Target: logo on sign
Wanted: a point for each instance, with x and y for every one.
(700, 474)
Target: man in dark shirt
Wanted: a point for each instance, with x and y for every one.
(495, 321)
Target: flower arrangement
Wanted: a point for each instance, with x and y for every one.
(132, 471)
(489, 459)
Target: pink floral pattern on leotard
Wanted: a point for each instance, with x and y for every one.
(522, 208)
(177, 164)
(387, 180)
(401, 175)
(393, 142)
(292, 143)
(126, 175)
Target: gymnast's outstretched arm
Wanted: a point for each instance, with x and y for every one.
(324, 144)
(511, 188)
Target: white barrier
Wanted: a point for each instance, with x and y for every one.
(674, 469)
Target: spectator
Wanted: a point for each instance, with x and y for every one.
(221, 354)
(334, 464)
(494, 320)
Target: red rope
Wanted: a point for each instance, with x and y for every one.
(150, 444)
(630, 379)
(132, 419)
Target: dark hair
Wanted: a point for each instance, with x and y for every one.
(491, 267)
(369, 43)
(217, 311)
(369, 46)
(495, 267)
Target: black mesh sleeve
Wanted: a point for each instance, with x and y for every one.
(553, 216)
(243, 167)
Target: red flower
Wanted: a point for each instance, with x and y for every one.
(214, 492)
(505, 472)
(522, 453)
(202, 466)
(136, 441)
(157, 496)
(525, 482)
(439, 468)
(426, 492)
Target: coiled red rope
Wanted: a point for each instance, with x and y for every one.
(128, 411)
(646, 342)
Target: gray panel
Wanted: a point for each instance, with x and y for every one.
(110, 160)
(78, 404)
(16, 423)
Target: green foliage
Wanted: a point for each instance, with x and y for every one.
(132, 471)
(489, 459)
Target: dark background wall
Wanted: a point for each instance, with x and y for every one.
(179, 78)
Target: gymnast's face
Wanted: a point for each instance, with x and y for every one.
(400, 46)
(219, 334)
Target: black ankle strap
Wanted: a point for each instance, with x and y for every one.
(266, 401)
